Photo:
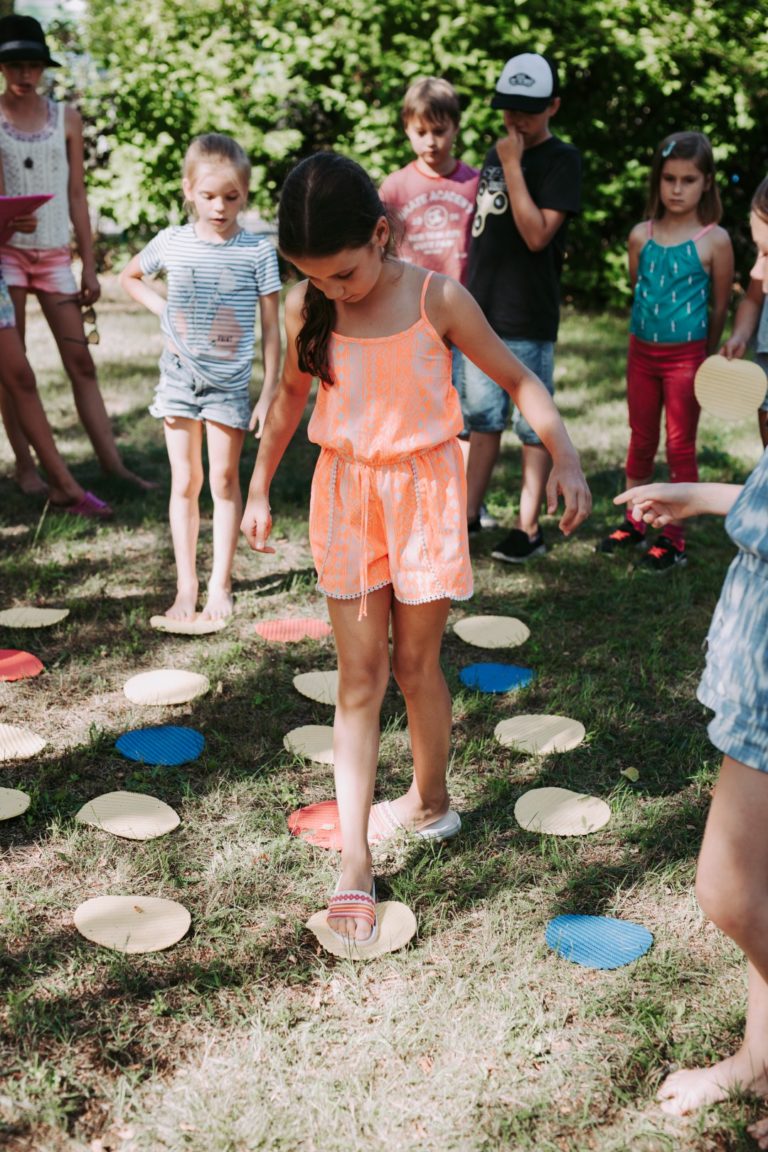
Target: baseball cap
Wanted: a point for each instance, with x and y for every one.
(528, 82)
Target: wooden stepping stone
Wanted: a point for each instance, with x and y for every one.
(17, 665)
(540, 734)
(19, 743)
(496, 678)
(193, 627)
(13, 803)
(166, 744)
(32, 617)
(319, 686)
(165, 686)
(492, 631)
(292, 630)
(313, 741)
(132, 815)
(397, 926)
(560, 812)
(132, 923)
(598, 941)
(730, 389)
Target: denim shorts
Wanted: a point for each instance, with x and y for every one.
(181, 393)
(7, 311)
(735, 682)
(762, 359)
(485, 406)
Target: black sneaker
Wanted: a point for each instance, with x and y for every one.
(663, 557)
(516, 548)
(625, 536)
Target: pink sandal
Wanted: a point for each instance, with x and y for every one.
(89, 506)
(354, 905)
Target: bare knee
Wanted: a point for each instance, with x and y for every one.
(364, 685)
(414, 672)
(224, 484)
(186, 483)
(728, 906)
(20, 382)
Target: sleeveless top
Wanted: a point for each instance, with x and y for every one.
(672, 292)
(35, 162)
(392, 396)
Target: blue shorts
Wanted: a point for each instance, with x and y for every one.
(181, 393)
(485, 405)
(735, 682)
(762, 359)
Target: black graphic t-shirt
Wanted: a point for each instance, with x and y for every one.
(519, 290)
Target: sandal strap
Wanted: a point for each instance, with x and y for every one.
(354, 905)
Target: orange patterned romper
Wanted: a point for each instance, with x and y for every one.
(388, 494)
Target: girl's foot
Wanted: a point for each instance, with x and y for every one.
(219, 605)
(123, 473)
(30, 482)
(759, 1132)
(692, 1088)
(353, 879)
(183, 607)
(412, 814)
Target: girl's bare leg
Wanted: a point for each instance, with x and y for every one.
(363, 653)
(224, 447)
(184, 440)
(66, 323)
(417, 634)
(732, 889)
(24, 415)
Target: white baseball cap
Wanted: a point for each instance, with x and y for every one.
(528, 82)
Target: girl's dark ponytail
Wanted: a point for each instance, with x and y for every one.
(328, 203)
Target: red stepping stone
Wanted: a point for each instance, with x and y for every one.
(16, 665)
(318, 824)
(289, 631)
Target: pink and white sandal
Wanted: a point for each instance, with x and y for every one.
(354, 905)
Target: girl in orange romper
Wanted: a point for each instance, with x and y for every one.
(388, 509)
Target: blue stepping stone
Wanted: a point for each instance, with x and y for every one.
(495, 677)
(598, 941)
(164, 744)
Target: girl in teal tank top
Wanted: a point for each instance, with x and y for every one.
(681, 270)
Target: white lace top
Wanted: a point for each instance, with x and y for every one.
(35, 162)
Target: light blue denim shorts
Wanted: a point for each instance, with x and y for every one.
(485, 406)
(181, 393)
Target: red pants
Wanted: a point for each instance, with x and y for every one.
(661, 376)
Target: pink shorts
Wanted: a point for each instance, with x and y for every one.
(402, 523)
(38, 269)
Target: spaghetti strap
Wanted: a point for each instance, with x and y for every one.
(702, 232)
(423, 300)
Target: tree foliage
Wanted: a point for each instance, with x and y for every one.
(289, 78)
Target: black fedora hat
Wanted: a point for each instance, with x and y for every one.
(22, 38)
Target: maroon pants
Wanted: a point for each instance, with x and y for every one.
(661, 376)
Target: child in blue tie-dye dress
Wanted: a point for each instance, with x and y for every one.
(732, 874)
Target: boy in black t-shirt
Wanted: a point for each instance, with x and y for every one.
(530, 185)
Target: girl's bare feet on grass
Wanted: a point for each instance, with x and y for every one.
(183, 607)
(219, 605)
(124, 473)
(759, 1132)
(692, 1088)
(30, 482)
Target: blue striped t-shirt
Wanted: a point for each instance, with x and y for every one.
(212, 294)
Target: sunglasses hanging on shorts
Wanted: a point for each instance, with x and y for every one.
(89, 320)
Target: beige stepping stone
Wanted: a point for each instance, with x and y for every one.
(165, 686)
(730, 389)
(397, 925)
(193, 627)
(492, 631)
(132, 815)
(132, 923)
(13, 803)
(19, 743)
(540, 734)
(319, 686)
(560, 812)
(32, 617)
(314, 741)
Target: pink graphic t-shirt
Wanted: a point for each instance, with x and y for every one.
(436, 214)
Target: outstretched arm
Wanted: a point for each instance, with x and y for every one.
(458, 317)
(661, 504)
(281, 423)
(269, 310)
(78, 206)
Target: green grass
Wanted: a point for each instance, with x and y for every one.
(245, 1036)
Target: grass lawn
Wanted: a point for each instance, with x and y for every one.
(244, 1036)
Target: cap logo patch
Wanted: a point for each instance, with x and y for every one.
(521, 80)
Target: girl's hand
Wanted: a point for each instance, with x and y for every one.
(90, 289)
(256, 523)
(567, 480)
(24, 223)
(661, 504)
(734, 348)
(258, 416)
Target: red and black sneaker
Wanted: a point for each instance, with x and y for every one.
(623, 537)
(663, 557)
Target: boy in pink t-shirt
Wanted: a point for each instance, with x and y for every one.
(434, 195)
